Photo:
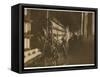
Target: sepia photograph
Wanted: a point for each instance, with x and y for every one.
(58, 38)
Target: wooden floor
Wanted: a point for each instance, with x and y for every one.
(84, 54)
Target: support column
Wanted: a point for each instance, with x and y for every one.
(85, 25)
(82, 17)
